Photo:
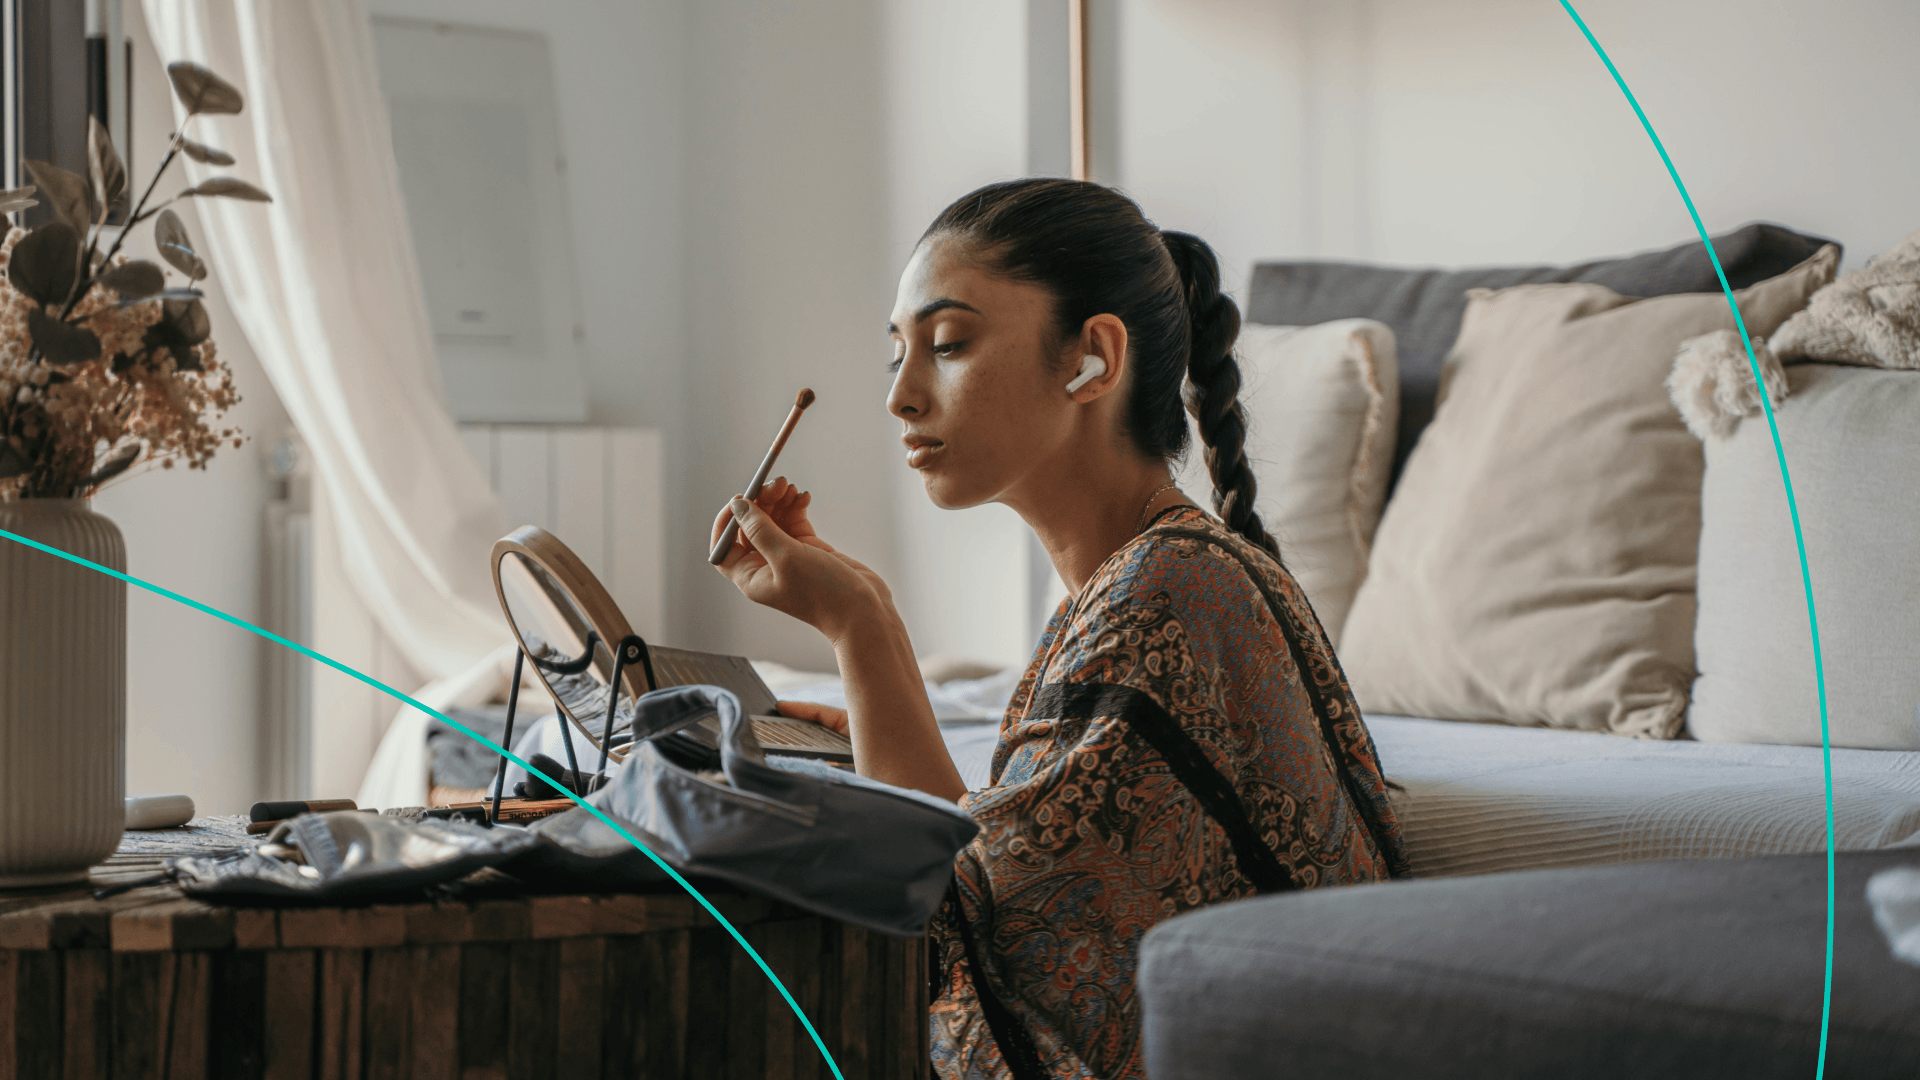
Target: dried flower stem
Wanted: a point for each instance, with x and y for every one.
(173, 151)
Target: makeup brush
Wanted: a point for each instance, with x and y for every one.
(800, 402)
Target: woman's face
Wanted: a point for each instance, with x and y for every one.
(977, 388)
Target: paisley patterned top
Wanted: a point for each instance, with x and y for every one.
(1087, 838)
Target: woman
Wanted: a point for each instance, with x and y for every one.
(1183, 735)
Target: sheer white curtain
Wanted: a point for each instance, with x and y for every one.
(324, 284)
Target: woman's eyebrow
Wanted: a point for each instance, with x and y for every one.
(941, 304)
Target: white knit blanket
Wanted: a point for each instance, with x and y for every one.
(1869, 317)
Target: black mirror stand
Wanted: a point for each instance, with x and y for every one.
(631, 648)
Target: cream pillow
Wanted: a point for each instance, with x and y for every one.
(1852, 440)
(1321, 404)
(1536, 565)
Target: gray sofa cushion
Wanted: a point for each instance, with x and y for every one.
(1424, 306)
(1698, 969)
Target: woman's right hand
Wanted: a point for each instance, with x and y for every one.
(779, 561)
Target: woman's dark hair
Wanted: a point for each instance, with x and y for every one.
(1097, 254)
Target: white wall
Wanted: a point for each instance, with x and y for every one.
(822, 138)
(1486, 131)
(956, 93)
(1209, 104)
(193, 682)
(787, 286)
(1498, 135)
(620, 72)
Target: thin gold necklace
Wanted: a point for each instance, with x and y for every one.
(1140, 526)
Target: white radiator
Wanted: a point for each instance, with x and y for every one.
(601, 490)
(287, 708)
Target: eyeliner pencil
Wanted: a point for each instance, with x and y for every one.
(720, 548)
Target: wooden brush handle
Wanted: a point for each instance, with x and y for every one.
(727, 535)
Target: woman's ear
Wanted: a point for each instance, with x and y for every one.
(1103, 337)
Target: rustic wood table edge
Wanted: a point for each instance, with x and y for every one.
(153, 983)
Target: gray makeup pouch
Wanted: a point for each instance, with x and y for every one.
(794, 829)
(349, 856)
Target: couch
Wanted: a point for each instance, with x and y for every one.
(1587, 905)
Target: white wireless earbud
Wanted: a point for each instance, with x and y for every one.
(1091, 368)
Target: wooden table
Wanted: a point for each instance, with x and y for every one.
(153, 984)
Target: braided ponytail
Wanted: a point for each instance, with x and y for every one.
(1213, 394)
(1092, 248)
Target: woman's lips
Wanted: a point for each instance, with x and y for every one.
(921, 451)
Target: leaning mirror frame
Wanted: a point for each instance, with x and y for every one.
(540, 555)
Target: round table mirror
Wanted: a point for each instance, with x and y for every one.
(568, 627)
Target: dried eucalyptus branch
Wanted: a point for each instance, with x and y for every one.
(124, 374)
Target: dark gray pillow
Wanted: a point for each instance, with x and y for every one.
(1424, 306)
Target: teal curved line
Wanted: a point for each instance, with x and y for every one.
(1793, 510)
(469, 733)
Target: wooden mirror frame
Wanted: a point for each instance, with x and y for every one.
(546, 551)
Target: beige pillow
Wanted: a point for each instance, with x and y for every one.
(1852, 441)
(1322, 402)
(1536, 565)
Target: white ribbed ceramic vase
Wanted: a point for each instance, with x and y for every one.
(63, 693)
